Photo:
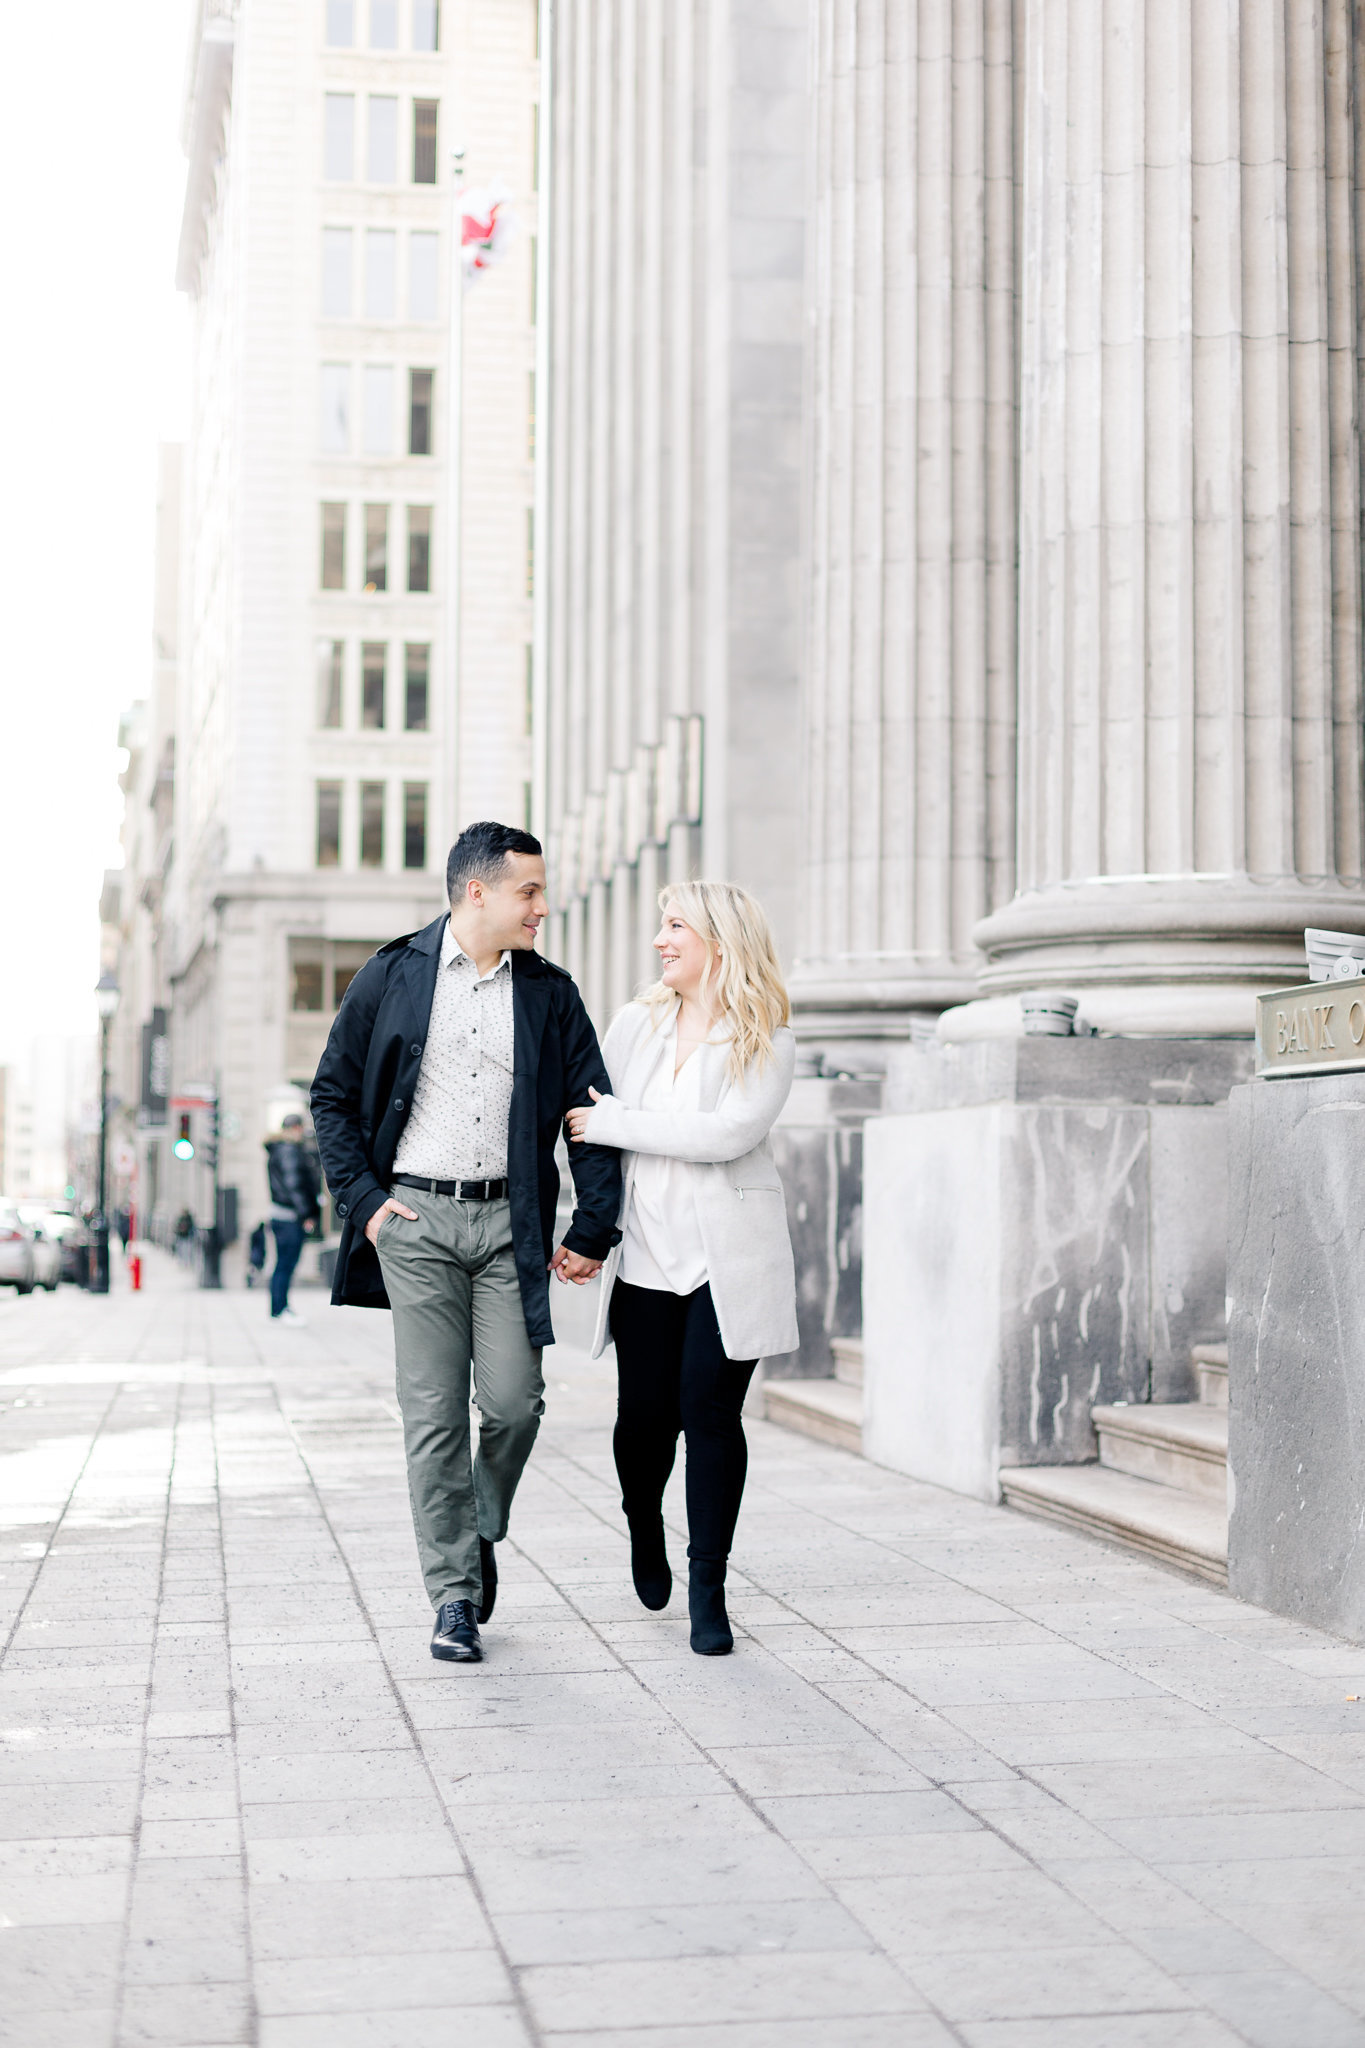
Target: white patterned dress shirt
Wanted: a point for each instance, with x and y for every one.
(457, 1127)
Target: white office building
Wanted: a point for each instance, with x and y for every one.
(354, 600)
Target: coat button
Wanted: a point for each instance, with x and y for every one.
(416, 1052)
(341, 1208)
(399, 1103)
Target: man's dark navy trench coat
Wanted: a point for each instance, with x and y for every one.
(362, 1096)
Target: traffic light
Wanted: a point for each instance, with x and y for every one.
(183, 1147)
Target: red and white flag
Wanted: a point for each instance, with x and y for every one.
(486, 229)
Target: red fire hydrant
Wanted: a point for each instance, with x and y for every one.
(135, 1271)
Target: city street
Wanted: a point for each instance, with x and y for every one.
(967, 1778)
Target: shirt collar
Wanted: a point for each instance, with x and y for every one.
(452, 950)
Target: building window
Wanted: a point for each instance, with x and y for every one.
(331, 654)
(340, 24)
(307, 985)
(381, 155)
(419, 547)
(414, 824)
(424, 142)
(372, 824)
(338, 150)
(336, 273)
(381, 263)
(383, 24)
(329, 824)
(335, 385)
(376, 547)
(373, 665)
(422, 257)
(426, 25)
(334, 547)
(416, 679)
(378, 409)
(419, 411)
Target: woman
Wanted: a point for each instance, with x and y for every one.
(702, 1283)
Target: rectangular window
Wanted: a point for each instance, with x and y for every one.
(338, 148)
(336, 273)
(419, 547)
(340, 24)
(376, 547)
(416, 678)
(372, 824)
(381, 262)
(426, 25)
(335, 387)
(374, 657)
(424, 142)
(334, 547)
(307, 985)
(419, 411)
(414, 824)
(383, 24)
(331, 654)
(378, 408)
(381, 154)
(422, 248)
(329, 824)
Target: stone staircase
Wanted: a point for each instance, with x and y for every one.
(830, 1409)
(1160, 1485)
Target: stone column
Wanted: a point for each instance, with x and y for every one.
(910, 691)
(1189, 793)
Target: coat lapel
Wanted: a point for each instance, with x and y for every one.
(421, 965)
(530, 1008)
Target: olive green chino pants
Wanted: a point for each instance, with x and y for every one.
(452, 1282)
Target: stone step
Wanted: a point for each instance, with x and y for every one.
(1174, 1443)
(1181, 1529)
(1211, 1368)
(848, 1360)
(827, 1409)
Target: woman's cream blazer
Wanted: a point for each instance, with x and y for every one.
(740, 1205)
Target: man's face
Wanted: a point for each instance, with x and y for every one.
(511, 906)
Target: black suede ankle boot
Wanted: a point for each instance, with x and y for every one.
(649, 1563)
(711, 1636)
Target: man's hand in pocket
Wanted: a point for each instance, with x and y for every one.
(390, 1208)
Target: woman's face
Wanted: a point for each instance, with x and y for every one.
(682, 954)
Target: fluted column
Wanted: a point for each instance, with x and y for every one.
(1189, 547)
(910, 690)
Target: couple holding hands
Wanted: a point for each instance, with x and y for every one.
(457, 1058)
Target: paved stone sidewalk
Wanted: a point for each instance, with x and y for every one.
(966, 1778)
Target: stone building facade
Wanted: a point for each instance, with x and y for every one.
(1075, 588)
(354, 611)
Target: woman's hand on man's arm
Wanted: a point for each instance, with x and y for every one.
(578, 1119)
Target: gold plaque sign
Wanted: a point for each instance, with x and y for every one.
(1316, 1029)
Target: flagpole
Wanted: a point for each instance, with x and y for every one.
(455, 493)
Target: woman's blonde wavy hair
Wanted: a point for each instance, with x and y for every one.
(744, 987)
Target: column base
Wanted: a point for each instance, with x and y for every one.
(1132, 1010)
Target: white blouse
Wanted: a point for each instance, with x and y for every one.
(662, 1247)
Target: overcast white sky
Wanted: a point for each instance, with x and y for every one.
(93, 374)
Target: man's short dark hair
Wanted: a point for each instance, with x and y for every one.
(480, 854)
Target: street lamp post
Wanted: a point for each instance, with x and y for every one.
(106, 1001)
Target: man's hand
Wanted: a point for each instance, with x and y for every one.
(390, 1208)
(577, 1119)
(573, 1266)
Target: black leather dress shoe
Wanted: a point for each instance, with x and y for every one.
(455, 1638)
(488, 1565)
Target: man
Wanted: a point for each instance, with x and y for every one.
(455, 1056)
(295, 1185)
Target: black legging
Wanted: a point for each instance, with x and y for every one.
(673, 1374)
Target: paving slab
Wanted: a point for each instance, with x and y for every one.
(966, 1780)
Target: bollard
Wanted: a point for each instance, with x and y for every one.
(135, 1271)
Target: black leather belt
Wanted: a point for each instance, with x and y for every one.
(463, 1190)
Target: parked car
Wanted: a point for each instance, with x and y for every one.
(47, 1253)
(62, 1246)
(17, 1263)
